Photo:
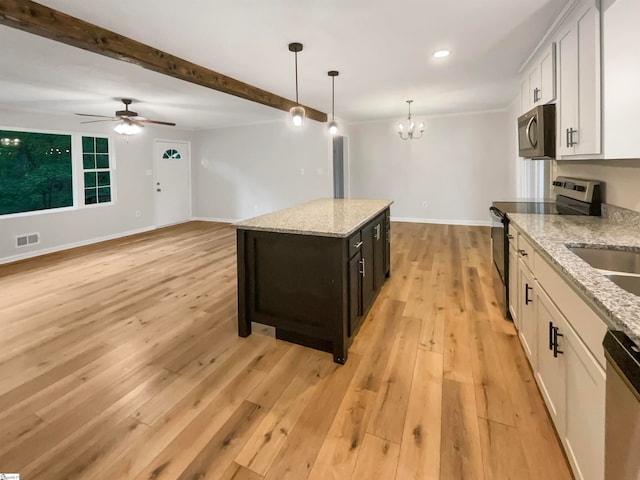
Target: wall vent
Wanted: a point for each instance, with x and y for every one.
(27, 239)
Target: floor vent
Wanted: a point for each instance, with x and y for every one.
(28, 239)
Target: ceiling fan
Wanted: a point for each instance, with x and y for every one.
(129, 122)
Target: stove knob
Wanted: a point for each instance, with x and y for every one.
(557, 183)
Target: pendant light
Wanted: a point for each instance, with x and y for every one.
(297, 112)
(407, 129)
(333, 125)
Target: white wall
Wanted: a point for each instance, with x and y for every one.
(61, 229)
(460, 165)
(242, 172)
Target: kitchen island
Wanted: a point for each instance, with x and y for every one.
(313, 271)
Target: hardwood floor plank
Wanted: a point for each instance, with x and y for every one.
(460, 454)
(218, 453)
(238, 472)
(387, 418)
(378, 458)
(303, 444)
(497, 438)
(420, 447)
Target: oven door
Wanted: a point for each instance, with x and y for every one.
(498, 234)
(499, 246)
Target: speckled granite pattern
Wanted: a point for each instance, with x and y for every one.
(325, 217)
(621, 215)
(551, 234)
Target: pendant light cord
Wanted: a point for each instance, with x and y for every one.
(333, 98)
(296, 54)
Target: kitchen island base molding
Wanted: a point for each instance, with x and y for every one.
(315, 290)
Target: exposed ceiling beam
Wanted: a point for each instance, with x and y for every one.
(52, 24)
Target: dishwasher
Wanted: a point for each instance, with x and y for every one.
(622, 417)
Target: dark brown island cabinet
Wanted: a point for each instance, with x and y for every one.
(313, 271)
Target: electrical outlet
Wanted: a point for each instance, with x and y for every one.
(320, 171)
(424, 204)
(302, 171)
(149, 173)
(138, 213)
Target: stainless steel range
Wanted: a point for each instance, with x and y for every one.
(574, 196)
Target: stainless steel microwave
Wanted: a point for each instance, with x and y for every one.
(537, 132)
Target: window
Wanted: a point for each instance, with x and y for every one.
(97, 170)
(36, 171)
(171, 153)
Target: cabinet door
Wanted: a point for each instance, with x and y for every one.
(379, 248)
(387, 241)
(547, 92)
(568, 105)
(589, 108)
(514, 292)
(368, 277)
(525, 102)
(585, 411)
(550, 372)
(535, 86)
(528, 324)
(355, 293)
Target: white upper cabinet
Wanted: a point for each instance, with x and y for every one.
(579, 120)
(621, 40)
(538, 85)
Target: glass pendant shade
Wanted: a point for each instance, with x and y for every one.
(127, 127)
(333, 127)
(407, 129)
(297, 115)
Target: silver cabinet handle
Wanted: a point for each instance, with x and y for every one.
(358, 245)
(377, 229)
(510, 237)
(570, 140)
(523, 253)
(536, 95)
(362, 272)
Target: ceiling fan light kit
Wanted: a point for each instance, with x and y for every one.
(333, 125)
(407, 128)
(297, 113)
(129, 122)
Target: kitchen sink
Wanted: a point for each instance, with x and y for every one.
(609, 259)
(627, 282)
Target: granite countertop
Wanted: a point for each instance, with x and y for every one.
(552, 233)
(327, 217)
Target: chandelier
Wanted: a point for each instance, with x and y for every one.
(408, 129)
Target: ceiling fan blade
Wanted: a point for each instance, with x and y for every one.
(170, 124)
(89, 115)
(108, 119)
(136, 122)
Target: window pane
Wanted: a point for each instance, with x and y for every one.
(88, 161)
(89, 179)
(104, 194)
(102, 160)
(102, 145)
(90, 196)
(88, 145)
(35, 171)
(104, 179)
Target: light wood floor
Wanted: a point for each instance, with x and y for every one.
(121, 361)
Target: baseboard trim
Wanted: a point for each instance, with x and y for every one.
(67, 246)
(217, 220)
(443, 221)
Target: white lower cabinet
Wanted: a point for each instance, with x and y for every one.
(528, 323)
(514, 295)
(558, 332)
(551, 371)
(585, 399)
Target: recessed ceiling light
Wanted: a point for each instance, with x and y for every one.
(442, 53)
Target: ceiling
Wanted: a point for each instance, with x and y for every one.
(383, 51)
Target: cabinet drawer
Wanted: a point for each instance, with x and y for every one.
(354, 243)
(525, 250)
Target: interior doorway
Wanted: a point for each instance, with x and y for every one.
(172, 181)
(339, 167)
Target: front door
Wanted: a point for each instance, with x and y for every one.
(172, 182)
